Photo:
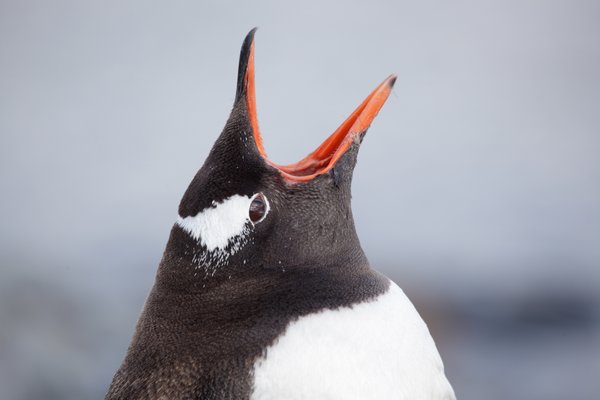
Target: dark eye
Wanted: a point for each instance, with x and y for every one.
(258, 208)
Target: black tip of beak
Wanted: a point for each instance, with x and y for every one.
(244, 57)
(392, 80)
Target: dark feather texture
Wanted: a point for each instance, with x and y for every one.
(200, 334)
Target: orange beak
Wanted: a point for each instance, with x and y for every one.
(329, 152)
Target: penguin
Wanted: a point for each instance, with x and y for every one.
(264, 292)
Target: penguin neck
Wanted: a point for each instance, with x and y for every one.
(180, 270)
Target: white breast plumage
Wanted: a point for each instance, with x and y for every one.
(380, 349)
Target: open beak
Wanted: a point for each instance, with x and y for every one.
(329, 152)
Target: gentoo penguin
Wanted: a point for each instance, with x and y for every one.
(264, 292)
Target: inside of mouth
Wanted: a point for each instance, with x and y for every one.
(323, 158)
(328, 153)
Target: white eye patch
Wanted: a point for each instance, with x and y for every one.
(216, 226)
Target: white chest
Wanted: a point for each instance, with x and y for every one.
(380, 349)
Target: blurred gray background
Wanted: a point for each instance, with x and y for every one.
(477, 188)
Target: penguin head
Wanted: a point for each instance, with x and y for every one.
(244, 211)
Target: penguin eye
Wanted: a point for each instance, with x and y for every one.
(259, 207)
